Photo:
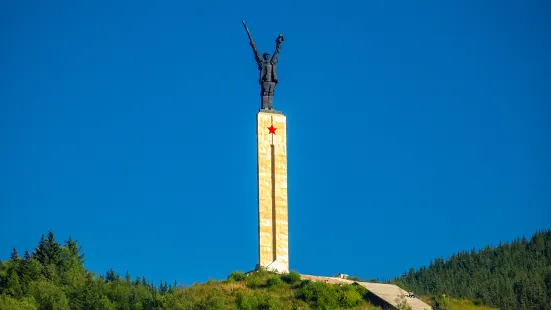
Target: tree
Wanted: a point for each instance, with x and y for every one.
(40, 251)
(14, 254)
(163, 289)
(74, 276)
(9, 303)
(48, 250)
(110, 276)
(91, 293)
(509, 276)
(32, 270)
(13, 286)
(73, 250)
(49, 296)
(27, 255)
(105, 304)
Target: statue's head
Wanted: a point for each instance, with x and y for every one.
(266, 56)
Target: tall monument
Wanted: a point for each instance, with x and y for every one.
(273, 236)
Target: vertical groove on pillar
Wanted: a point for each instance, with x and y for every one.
(274, 232)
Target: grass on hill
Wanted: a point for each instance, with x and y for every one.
(448, 303)
(265, 290)
(459, 304)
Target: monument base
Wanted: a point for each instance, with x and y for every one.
(277, 267)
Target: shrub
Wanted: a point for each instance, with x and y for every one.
(349, 296)
(402, 303)
(291, 277)
(274, 282)
(267, 302)
(236, 276)
(299, 305)
(257, 300)
(257, 279)
(246, 302)
(318, 295)
(360, 289)
(439, 303)
(212, 303)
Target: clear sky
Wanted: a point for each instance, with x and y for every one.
(416, 129)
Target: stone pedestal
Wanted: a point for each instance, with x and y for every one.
(273, 250)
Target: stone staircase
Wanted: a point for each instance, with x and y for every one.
(386, 292)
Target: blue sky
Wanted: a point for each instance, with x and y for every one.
(415, 130)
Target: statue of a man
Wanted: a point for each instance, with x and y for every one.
(268, 75)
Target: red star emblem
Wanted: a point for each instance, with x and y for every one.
(272, 129)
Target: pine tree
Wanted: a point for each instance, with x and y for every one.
(13, 285)
(27, 255)
(14, 254)
(110, 276)
(48, 250)
(54, 249)
(163, 288)
(40, 250)
(510, 276)
(74, 250)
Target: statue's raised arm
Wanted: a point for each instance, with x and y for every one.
(257, 55)
(268, 71)
(275, 56)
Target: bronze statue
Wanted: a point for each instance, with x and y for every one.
(268, 76)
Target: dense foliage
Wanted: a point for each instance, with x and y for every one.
(448, 303)
(53, 277)
(513, 275)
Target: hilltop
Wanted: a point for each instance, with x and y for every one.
(53, 276)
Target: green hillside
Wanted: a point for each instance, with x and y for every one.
(54, 277)
(514, 275)
(447, 303)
